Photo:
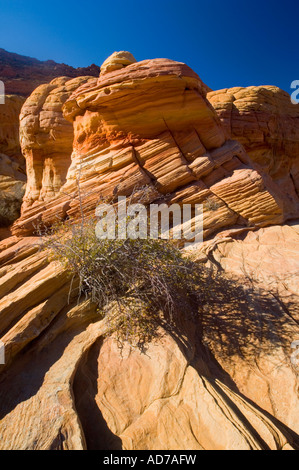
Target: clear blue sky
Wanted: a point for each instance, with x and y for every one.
(228, 43)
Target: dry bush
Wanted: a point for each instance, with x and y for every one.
(141, 285)
(148, 282)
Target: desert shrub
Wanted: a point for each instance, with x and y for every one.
(211, 204)
(140, 285)
(147, 282)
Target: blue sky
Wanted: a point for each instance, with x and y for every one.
(228, 43)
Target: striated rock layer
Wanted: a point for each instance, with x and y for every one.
(264, 120)
(227, 382)
(65, 386)
(148, 124)
(12, 189)
(9, 129)
(12, 163)
(47, 138)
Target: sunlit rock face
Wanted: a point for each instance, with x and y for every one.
(143, 124)
(224, 382)
(46, 140)
(9, 129)
(265, 121)
(117, 61)
(12, 188)
(12, 163)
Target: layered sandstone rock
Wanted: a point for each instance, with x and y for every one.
(116, 61)
(226, 382)
(266, 259)
(9, 128)
(21, 75)
(12, 163)
(264, 120)
(47, 138)
(12, 189)
(149, 124)
(65, 386)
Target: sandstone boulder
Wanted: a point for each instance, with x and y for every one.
(117, 61)
(12, 188)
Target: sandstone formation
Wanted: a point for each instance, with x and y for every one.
(12, 163)
(9, 129)
(66, 387)
(264, 120)
(12, 188)
(21, 74)
(225, 383)
(47, 138)
(116, 61)
(151, 124)
(266, 259)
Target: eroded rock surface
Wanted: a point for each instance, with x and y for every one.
(12, 163)
(264, 120)
(47, 139)
(9, 129)
(225, 383)
(147, 124)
